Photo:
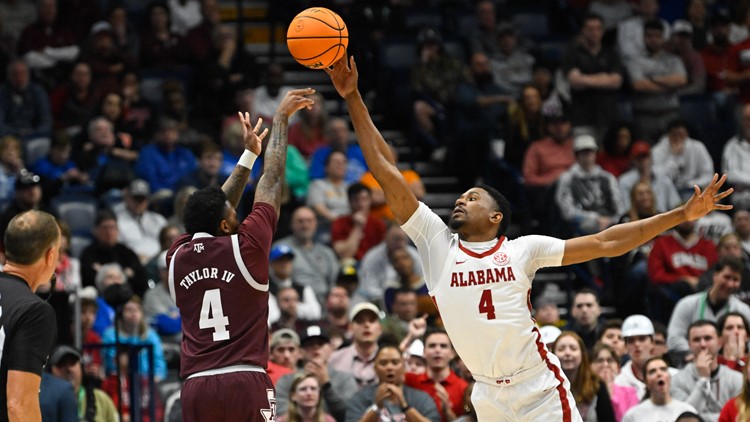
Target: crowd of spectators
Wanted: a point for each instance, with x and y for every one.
(111, 115)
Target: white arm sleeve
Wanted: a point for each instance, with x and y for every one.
(432, 237)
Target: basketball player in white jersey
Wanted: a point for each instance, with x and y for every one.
(481, 281)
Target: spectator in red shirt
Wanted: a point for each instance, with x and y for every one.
(676, 262)
(440, 382)
(354, 234)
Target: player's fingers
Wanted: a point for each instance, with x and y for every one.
(258, 125)
(242, 118)
(722, 195)
(721, 181)
(247, 118)
(352, 64)
(263, 134)
(302, 91)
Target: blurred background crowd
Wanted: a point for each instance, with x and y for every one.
(584, 113)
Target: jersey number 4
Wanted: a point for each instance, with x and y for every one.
(485, 304)
(212, 315)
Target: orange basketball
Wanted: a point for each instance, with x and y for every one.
(317, 38)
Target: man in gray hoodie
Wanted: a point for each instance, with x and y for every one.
(707, 305)
(704, 383)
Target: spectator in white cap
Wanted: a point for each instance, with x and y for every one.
(284, 345)
(638, 332)
(359, 357)
(281, 276)
(139, 227)
(549, 335)
(588, 196)
(335, 386)
(414, 355)
(681, 45)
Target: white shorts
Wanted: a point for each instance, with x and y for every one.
(538, 394)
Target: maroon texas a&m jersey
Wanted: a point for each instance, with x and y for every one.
(220, 285)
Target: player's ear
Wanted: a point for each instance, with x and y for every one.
(224, 227)
(496, 217)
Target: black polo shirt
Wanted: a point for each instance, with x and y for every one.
(27, 332)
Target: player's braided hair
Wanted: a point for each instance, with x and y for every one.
(502, 205)
(204, 210)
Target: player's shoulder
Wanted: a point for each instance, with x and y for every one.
(530, 240)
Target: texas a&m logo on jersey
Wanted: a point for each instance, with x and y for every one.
(500, 258)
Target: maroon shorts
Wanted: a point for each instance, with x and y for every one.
(235, 396)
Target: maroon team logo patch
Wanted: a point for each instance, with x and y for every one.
(500, 258)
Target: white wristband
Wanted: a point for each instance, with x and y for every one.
(247, 159)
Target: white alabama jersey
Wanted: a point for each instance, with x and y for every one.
(482, 290)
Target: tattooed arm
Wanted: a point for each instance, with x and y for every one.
(274, 162)
(235, 183)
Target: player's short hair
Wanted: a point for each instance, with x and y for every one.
(204, 210)
(702, 323)
(29, 235)
(723, 320)
(502, 205)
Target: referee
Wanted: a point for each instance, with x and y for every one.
(27, 323)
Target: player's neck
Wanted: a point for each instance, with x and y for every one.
(476, 237)
(438, 374)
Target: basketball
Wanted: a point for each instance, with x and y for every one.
(317, 38)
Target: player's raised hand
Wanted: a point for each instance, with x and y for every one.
(344, 76)
(294, 100)
(251, 136)
(702, 203)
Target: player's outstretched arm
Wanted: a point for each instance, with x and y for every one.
(271, 182)
(253, 139)
(621, 238)
(377, 153)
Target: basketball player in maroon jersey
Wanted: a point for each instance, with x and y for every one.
(218, 276)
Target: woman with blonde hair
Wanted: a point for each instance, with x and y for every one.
(592, 397)
(737, 409)
(305, 404)
(630, 270)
